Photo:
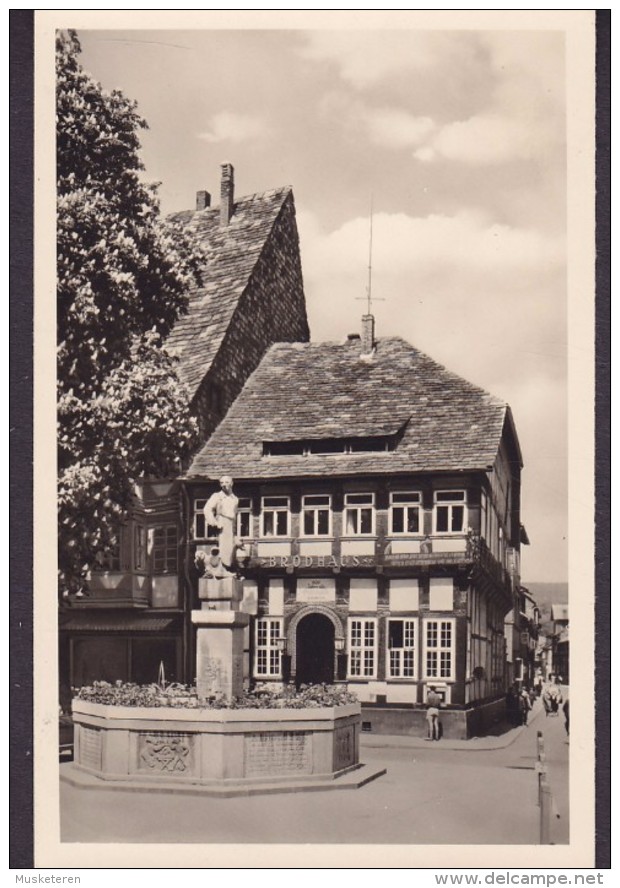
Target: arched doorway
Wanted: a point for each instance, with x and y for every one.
(315, 650)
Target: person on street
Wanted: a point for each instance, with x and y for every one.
(552, 697)
(565, 711)
(524, 706)
(433, 701)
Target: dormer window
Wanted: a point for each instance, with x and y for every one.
(324, 446)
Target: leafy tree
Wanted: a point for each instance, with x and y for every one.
(123, 279)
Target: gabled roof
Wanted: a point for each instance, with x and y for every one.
(559, 612)
(305, 391)
(232, 252)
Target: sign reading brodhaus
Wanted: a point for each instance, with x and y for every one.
(315, 561)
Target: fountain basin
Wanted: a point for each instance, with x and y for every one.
(215, 747)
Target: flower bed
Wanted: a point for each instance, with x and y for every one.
(186, 697)
(155, 733)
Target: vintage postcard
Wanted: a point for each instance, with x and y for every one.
(314, 453)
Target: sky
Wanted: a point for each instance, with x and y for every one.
(458, 141)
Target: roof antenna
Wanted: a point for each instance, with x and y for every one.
(368, 321)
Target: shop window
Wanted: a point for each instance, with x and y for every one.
(275, 516)
(165, 544)
(316, 515)
(405, 513)
(362, 648)
(401, 648)
(439, 649)
(267, 652)
(450, 511)
(359, 514)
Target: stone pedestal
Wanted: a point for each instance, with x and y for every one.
(220, 589)
(219, 651)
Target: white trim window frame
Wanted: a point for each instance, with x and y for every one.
(402, 648)
(244, 517)
(363, 647)
(450, 512)
(275, 517)
(439, 648)
(199, 523)
(316, 515)
(165, 549)
(267, 654)
(405, 513)
(359, 514)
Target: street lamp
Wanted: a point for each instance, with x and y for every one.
(339, 642)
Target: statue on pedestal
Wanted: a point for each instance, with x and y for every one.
(220, 624)
(220, 513)
(220, 580)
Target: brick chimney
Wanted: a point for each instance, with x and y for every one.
(368, 334)
(203, 200)
(227, 193)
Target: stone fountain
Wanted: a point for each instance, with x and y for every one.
(218, 751)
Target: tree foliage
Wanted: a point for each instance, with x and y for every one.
(123, 279)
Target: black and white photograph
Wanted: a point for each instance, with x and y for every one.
(314, 363)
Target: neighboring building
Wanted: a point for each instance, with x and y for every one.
(135, 614)
(380, 496)
(523, 628)
(559, 641)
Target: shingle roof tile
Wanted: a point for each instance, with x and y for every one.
(232, 252)
(303, 391)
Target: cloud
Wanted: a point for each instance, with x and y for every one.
(433, 243)
(367, 57)
(230, 127)
(395, 128)
(448, 284)
(465, 97)
(487, 139)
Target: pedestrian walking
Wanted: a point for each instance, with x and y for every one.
(433, 701)
(565, 711)
(552, 698)
(524, 706)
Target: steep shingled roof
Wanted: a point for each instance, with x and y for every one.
(232, 253)
(304, 391)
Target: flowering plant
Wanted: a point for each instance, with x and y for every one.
(178, 695)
